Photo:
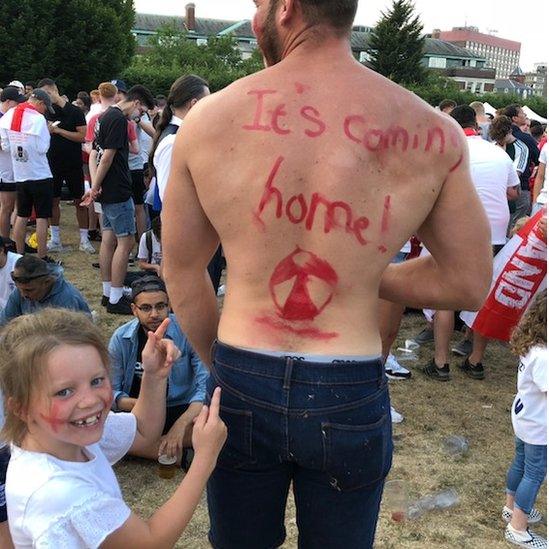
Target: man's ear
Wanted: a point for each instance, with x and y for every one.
(288, 10)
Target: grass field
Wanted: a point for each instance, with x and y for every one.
(478, 410)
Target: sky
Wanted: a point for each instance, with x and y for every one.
(524, 21)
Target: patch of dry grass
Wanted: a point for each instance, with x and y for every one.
(478, 410)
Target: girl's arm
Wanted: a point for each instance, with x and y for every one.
(167, 524)
(150, 409)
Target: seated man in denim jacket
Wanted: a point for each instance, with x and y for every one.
(187, 380)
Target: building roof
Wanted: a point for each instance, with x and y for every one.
(502, 83)
(435, 46)
(517, 71)
(464, 35)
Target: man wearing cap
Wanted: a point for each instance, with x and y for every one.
(25, 131)
(39, 285)
(187, 381)
(68, 130)
(17, 84)
(9, 98)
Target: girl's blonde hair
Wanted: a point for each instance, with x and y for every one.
(532, 328)
(25, 344)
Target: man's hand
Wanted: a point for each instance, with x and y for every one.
(172, 443)
(159, 354)
(542, 227)
(89, 197)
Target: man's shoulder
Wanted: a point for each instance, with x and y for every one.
(125, 329)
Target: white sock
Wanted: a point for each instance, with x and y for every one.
(116, 294)
(55, 234)
(84, 236)
(107, 289)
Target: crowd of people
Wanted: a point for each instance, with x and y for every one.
(294, 372)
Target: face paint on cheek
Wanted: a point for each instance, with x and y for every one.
(53, 419)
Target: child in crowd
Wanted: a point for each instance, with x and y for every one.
(61, 489)
(529, 416)
(149, 255)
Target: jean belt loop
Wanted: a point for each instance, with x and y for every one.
(288, 372)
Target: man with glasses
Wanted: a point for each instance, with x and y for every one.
(112, 187)
(39, 284)
(187, 380)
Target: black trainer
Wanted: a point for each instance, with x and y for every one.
(440, 374)
(123, 307)
(104, 300)
(476, 371)
(425, 336)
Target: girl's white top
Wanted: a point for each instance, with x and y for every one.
(56, 503)
(529, 411)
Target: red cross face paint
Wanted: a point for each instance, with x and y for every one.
(302, 286)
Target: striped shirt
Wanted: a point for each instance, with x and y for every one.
(518, 152)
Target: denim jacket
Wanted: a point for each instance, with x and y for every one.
(62, 295)
(187, 379)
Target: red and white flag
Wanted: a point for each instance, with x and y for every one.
(520, 271)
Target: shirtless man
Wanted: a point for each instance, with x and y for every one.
(312, 173)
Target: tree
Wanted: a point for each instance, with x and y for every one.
(76, 42)
(396, 45)
(171, 54)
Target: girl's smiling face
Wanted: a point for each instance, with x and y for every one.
(68, 412)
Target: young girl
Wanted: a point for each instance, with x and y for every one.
(529, 416)
(61, 490)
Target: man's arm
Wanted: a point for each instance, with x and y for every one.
(188, 244)
(121, 400)
(458, 273)
(538, 183)
(79, 136)
(101, 171)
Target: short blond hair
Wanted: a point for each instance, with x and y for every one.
(25, 344)
(478, 107)
(519, 223)
(107, 90)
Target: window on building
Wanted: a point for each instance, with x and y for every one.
(437, 62)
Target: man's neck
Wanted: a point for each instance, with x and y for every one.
(60, 102)
(313, 42)
(4, 107)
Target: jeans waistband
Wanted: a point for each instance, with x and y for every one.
(321, 373)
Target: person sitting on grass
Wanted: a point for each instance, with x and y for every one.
(529, 417)
(187, 380)
(61, 490)
(39, 284)
(149, 255)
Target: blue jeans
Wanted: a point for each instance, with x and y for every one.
(322, 428)
(526, 474)
(119, 217)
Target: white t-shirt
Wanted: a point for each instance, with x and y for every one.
(529, 411)
(542, 196)
(28, 147)
(163, 159)
(493, 173)
(6, 167)
(7, 285)
(55, 503)
(143, 252)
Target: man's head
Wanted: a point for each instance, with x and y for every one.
(50, 87)
(83, 101)
(33, 278)
(150, 301)
(95, 96)
(276, 20)
(18, 85)
(10, 97)
(478, 107)
(138, 101)
(500, 130)
(41, 100)
(515, 113)
(447, 105)
(107, 93)
(29, 86)
(160, 101)
(121, 89)
(537, 130)
(465, 116)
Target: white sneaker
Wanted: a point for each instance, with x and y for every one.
(87, 247)
(534, 517)
(57, 247)
(396, 417)
(394, 370)
(529, 539)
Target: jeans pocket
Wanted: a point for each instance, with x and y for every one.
(357, 456)
(237, 451)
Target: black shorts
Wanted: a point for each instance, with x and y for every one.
(7, 187)
(138, 187)
(4, 460)
(74, 179)
(37, 194)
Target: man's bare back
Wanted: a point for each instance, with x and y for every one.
(313, 184)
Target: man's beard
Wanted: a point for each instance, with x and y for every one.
(270, 43)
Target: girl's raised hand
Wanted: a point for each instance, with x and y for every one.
(159, 354)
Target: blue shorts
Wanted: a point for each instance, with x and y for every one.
(119, 217)
(4, 460)
(322, 428)
(400, 257)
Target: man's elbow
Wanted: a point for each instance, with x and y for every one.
(476, 287)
